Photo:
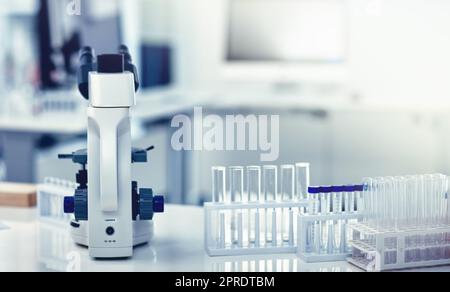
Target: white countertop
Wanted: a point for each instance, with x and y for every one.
(28, 245)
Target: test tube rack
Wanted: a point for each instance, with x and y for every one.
(306, 235)
(376, 249)
(251, 238)
(51, 195)
(55, 247)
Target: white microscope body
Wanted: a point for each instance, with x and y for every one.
(111, 216)
(109, 164)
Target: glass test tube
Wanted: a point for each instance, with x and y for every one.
(331, 224)
(236, 184)
(359, 203)
(313, 233)
(325, 208)
(302, 178)
(219, 195)
(236, 194)
(367, 198)
(254, 196)
(287, 195)
(218, 184)
(339, 225)
(270, 174)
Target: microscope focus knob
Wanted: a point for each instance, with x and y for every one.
(158, 204)
(81, 204)
(149, 204)
(69, 205)
(146, 204)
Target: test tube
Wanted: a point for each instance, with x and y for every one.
(390, 207)
(339, 225)
(219, 196)
(368, 202)
(218, 184)
(302, 178)
(379, 201)
(335, 208)
(254, 196)
(367, 199)
(314, 234)
(325, 209)
(236, 193)
(428, 180)
(236, 184)
(447, 195)
(270, 174)
(287, 195)
(447, 236)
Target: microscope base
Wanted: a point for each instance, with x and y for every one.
(142, 231)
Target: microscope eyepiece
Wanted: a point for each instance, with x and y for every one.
(128, 63)
(87, 64)
(123, 50)
(87, 56)
(107, 63)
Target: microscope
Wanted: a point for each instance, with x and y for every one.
(112, 215)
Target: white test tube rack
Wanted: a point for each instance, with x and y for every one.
(380, 254)
(305, 223)
(51, 195)
(218, 228)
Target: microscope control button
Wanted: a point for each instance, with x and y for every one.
(110, 231)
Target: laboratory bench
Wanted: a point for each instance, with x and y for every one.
(27, 244)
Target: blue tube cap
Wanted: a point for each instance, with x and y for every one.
(359, 188)
(339, 189)
(314, 190)
(327, 189)
(349, 189)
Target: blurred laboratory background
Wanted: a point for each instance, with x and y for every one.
(362, 87)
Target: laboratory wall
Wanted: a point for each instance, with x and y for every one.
(395, 83)
(392, 45)
(397, 58)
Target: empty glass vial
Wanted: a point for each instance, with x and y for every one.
(287, 183)
(287, 195)
(325, 209)
(270, 174)
(236, 193)
(302, 178)
(338, 196)
(313, 240)
(254, 196)
(218, 184)
(236, 184)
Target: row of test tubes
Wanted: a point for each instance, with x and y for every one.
(407, 202)
(263, 226)
(330, 236)
(51, 199)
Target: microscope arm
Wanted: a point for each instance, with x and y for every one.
(108, 171)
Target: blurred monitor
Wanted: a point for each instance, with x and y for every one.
(287, 39)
